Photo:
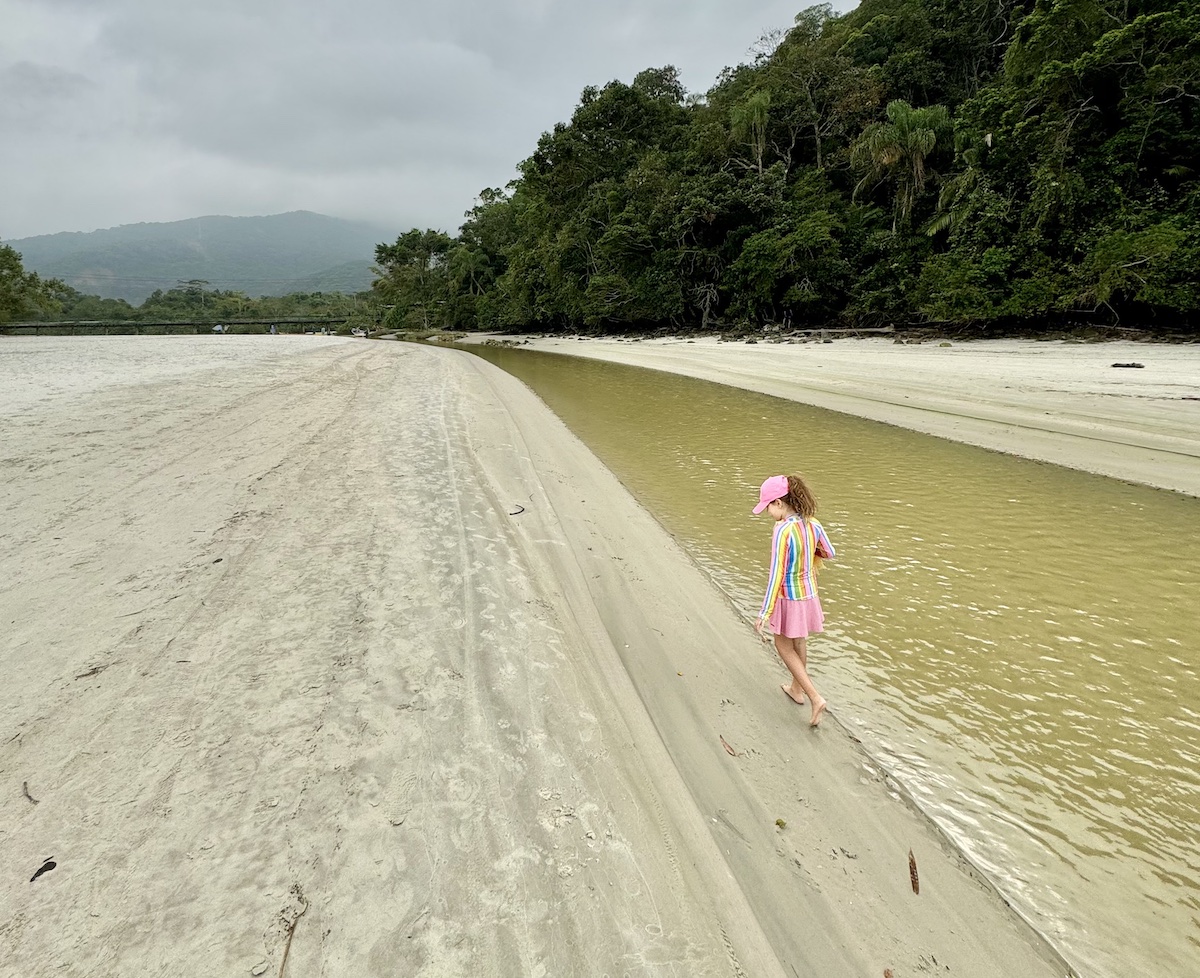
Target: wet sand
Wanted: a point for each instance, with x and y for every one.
(1055, 401)
(356, 661)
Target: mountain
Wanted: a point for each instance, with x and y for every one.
(348, 277)
(275, 255)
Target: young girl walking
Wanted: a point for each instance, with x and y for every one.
(791, 606)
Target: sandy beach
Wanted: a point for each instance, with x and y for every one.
(1054, 401)
(353, 660)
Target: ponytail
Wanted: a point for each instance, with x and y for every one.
(800, 497)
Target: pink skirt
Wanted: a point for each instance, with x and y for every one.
(797, 619)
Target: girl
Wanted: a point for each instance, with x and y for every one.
(791, 605)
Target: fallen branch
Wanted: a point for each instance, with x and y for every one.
(287, 948)
(94, 671)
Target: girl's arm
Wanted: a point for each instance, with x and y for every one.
(824, 548)
(775, 575)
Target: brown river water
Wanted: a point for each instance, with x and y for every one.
(1018, 642)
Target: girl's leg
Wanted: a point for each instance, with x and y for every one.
(787, 648)
(794, 653)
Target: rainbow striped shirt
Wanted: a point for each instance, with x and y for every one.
(793, 573)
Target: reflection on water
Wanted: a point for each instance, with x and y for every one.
(1017, 641)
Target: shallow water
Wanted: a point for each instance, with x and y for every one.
(1019, 642)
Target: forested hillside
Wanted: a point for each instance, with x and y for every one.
(257, 256)
(973, 163)
(26, 297)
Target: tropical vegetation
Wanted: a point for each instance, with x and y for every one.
(22, 293)
(975, 164)
(27, 298)
(273, 255)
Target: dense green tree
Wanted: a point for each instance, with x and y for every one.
(23, 294)
(749, 118)
(899, 152)
(821, 97)
(76, 306)
(910, 161)
(413, 278)
(26, 296)
(1076, 191)
(795, 265)
(586, 222)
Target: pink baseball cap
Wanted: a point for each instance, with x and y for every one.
(774, 488)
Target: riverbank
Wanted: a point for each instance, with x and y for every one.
(1054, 401)
(356, 658)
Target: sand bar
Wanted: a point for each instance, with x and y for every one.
(358, 662)
(1055, 401)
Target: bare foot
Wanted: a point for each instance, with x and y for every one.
(798, 697)
(817, 711)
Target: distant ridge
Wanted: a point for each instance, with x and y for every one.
(348, 277)
(273, 255)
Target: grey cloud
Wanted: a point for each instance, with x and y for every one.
(386, 108)
(318, 98)
(34, 94)
(26, 81)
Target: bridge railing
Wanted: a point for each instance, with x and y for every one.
(196, 325)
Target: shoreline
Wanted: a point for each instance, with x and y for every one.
(1053, 401)
(286, 677)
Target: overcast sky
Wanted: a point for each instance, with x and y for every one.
(391, 111)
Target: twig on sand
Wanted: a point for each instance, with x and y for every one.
(728, 750)
(287, 948)
(912, 872)
(96, 670)
(518, 511)
(25, 787)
